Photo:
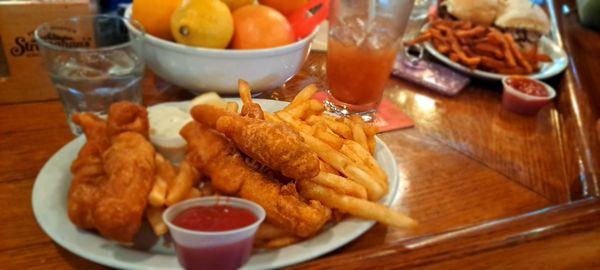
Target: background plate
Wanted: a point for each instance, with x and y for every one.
(546, 46)
(49, 199)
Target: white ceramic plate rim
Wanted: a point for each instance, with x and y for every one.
(559, 57)
(49, 207)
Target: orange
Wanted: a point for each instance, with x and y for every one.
(258, 27)
(286, 7)
(155, 16)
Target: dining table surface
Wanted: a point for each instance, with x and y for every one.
(489, 188)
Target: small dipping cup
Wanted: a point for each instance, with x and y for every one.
(216, 249)
(522, 103)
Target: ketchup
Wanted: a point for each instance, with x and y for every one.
(214, 218)
(528, 86)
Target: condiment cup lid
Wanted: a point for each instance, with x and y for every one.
(512, 90)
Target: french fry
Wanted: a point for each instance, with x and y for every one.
(372, 144)
(354, 206)
(326, 152)
(322, 132)
(194, 193)
(339, 127)
(154, 216)
(368, 160)
(358, 134)
(325, 167)
(244, 90)
(294, 123)
(164, 174)
(314, 107)
(231, 107)
(370, 130)
(498, 37)
(184, 181)
(490, 49)
(272, 118)
(374, 189)
(476, 31)
(424, 37)
(165, 169)
(303, 95)
(340, 185)
(299, 110)
(517, 53)
(158, 193)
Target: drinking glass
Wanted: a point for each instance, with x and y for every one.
(93, 61)
(364, 37)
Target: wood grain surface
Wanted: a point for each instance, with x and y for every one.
(490, 189)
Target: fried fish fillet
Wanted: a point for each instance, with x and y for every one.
(273, 144)
(129, 165)
(214, 155)
(88, 171)
(113, 173)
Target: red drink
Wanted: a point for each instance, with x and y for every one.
(357, 75)
(362, 47)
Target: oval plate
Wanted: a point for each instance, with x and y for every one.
(49, 199)
(546, 46)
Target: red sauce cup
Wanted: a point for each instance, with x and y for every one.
(213, 249)
(519, 102)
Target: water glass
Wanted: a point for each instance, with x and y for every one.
(364, 37)
(93, 61)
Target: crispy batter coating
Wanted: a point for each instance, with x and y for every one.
(272, 144)
(215, 156)
(113, 173)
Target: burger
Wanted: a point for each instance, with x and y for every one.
(482, 12)
(526, 22)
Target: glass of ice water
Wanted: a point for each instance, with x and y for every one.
(93, 61)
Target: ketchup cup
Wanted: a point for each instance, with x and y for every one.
(522, 103)
(228, 249)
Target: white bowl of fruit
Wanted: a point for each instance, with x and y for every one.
(202, 45)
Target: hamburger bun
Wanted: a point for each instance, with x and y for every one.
(482, 12)
(521, 14)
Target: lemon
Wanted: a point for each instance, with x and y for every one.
(235, 4)
(202, 23)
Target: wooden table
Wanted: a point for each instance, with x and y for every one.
(491, 189)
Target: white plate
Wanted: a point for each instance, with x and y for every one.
(49, 199)
(546, 46)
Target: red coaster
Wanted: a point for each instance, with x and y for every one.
(388, 116)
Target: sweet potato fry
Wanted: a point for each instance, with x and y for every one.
(517, 53)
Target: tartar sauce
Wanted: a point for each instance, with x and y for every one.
(166, 121)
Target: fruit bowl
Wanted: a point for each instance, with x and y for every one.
(202, 69)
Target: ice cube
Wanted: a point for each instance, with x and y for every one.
(74, 69)
(122, 63)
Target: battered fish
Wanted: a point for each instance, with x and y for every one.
(113, 173)
(214, 155)
(272, 144)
